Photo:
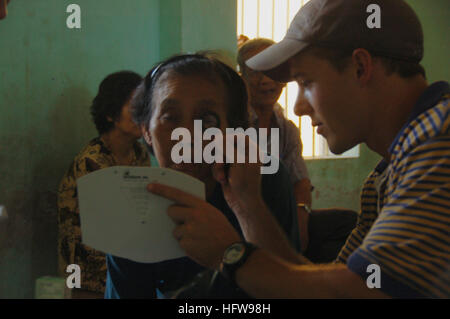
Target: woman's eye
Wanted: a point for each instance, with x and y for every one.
(305, 83)
(168, 117)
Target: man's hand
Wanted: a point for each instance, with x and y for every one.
(241, 182)
(202, 231)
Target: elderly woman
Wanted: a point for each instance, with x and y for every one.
(174, 94)
(117, 144)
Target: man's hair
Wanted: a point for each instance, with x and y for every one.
(113, 93)
(193, 65)
(249, 46)
(340, 58)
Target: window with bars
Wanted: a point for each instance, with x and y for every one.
(270, 19)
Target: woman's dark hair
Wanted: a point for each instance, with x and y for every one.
(194, 64)
(114, 91)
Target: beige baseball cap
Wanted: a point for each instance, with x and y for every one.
(346, 24)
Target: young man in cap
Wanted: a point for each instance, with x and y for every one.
(359, 85)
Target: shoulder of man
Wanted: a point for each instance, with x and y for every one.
(430, 124)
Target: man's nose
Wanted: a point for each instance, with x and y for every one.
(302, 106)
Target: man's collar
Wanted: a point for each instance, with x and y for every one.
(426, 101)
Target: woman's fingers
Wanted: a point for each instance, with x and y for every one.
(180, 214)
(219, 173)
(175, 195)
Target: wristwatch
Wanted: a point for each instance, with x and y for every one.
(305, 206)
(234, 257)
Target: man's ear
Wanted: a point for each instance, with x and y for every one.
(363, 62)
(146, 135)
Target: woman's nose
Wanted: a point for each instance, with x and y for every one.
(264, 79)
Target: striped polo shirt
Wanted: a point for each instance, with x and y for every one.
(404, 225)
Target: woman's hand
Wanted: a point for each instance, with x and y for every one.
(202, 231)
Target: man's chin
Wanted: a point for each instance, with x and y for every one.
(338, 149)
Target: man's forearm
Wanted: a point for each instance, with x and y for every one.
(260, 227)
(302, 191)
(267, 276)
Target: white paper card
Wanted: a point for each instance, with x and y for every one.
(120, 217)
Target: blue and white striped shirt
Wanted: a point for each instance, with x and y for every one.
(404, 225)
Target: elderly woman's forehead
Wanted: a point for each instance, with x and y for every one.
(168, 79)
(207, 74)
(184, 86)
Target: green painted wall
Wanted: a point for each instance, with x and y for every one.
(338, 182)
(188, 26)
(435, 17)
(216, 19)
(170, 28)
(48, 77)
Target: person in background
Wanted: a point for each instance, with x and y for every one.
(265, 112)
(241, 40)
(117, 144)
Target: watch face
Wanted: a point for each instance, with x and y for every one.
(234, 253)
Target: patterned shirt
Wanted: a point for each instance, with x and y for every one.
(404, 225)
(290, 143)
(93, 157)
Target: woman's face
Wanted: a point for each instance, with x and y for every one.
(178, 100)
(263, 90)
(125, 123)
